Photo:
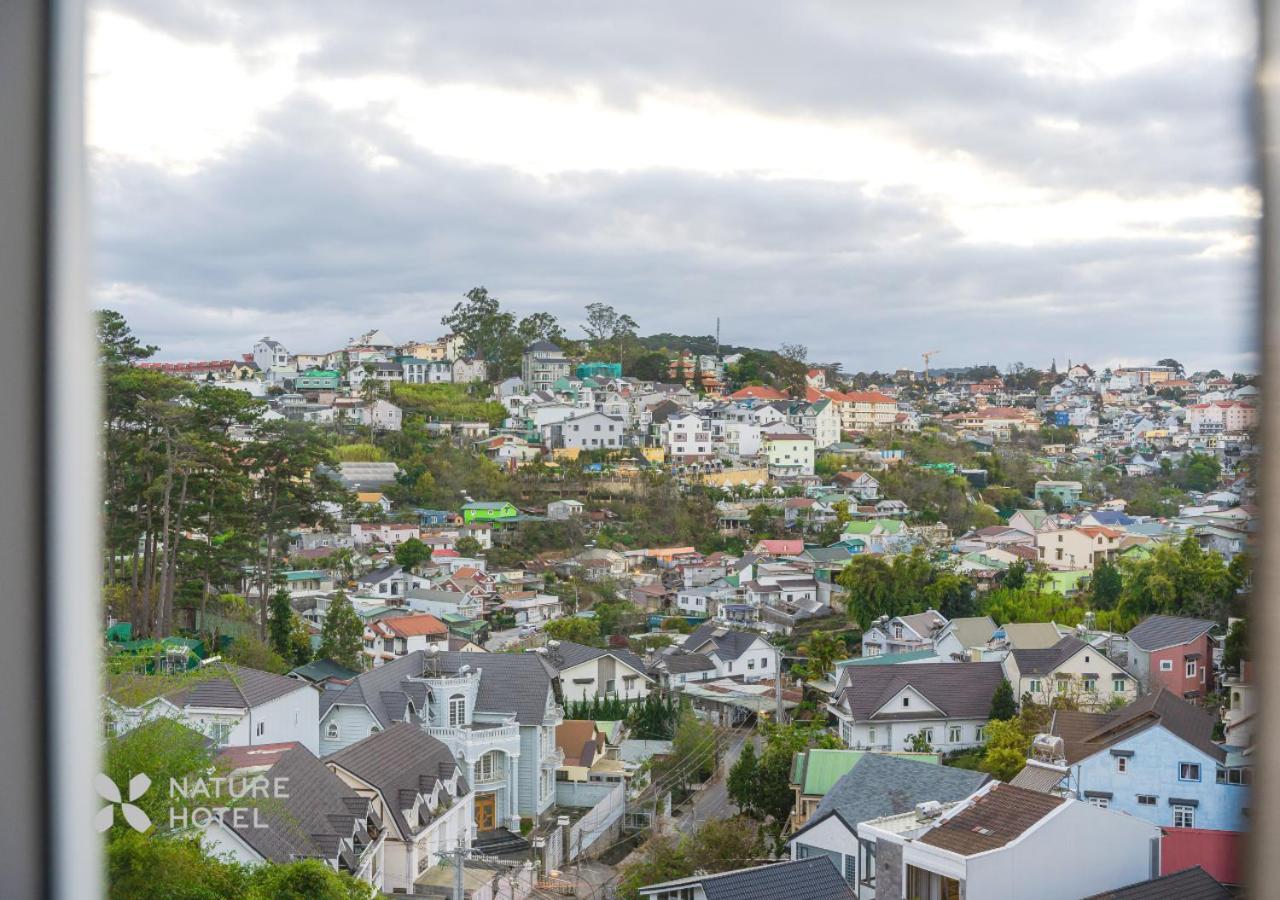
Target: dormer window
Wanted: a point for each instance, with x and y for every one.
(906, 701)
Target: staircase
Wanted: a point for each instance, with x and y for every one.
(500, 842)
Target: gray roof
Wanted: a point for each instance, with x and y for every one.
(319, 813)
(568, 654)
(1186, 720)
(542, 346)
(373, 576)
(727, 643)
(400, 762)
(802, 879)
(972, 631)
(1189, 884)
(959, 690)
(510, 683)
(677, 663)
(236, 688)
(1044, 662)
(883, 785)
(1158, 632)
(371, 473)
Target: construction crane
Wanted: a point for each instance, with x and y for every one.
(927, 354)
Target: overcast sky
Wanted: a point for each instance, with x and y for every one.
(999, 181)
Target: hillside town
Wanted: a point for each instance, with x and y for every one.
(517, 614)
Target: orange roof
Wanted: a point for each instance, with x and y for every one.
(758, 392)
(1096, 530)
(414, 626)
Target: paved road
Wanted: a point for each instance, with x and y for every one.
(712, 802)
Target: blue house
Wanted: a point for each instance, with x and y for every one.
(431, 517)
(1155, 759)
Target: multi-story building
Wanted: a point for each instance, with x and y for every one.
(1072, 670)
(789, 455)
(1174, 652)
(590, 431)
(1077, 548)
(269, 355)
(688, 435)
(542, 365)
(497, 713)
(1222, 416)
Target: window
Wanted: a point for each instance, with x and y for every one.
(261, 728)
(953, 734)
(1034, 685)
(1062, 685)
(221, 733)
(867, 863)
(1117, 685)
(927, 734)
(1122, 765)
(1184, 817)
(751, 664)
(1188, 772)
(331, 731)
(1191, 668)
(1166, 665)
(487, 767)
(1100, 802)
(980, 733)
(457, 710)
(871, 736)
(1146, 799)
(1237, 775)
(1091, 684)
(610, 686)
(906, 701)
(764, 663)
(374, 729)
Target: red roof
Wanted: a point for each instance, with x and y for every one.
(415, 626)
(758, 392)
(257, 755)
(782, 548)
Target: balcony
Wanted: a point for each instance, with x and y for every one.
(554, 759)
(473, 741)
(555, 715)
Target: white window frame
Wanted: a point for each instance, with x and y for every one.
(332, 731)
(954, 734)
(1166, 665)
(457, 710)
(1191, 668)
(1122, 765)
(1100, 802)
(1184, 816)
(1184, 767)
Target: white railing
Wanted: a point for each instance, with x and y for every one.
(554, 759)
(473, 742)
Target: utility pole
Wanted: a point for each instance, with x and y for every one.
(777, 687)
(459, 889)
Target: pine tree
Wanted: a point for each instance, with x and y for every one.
(341, 637)
(742, 784)
(1003, 705)
(280, 625)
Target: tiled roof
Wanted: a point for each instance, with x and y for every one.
(567, 654)
(1089, 733)
(991, 821)
(959, 690)
(883, 785)
(802, 879)
(1158, 632)
(680, 663)
(236, 688)
(727, 643)
(402, 761)
(412, 626)
(1046, 661)
(1189, 884)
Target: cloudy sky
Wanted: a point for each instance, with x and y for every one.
(1001, 181)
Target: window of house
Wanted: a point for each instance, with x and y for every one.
(331, 731)
(927, 734)
(374, 729)
(1188, 771)
(1091, 684)
(906, 701)
(1117, 685)
(751, 664)
(457, 710)
(1147, 799)
(1100, 802)
(1122, 765)
(1166, 665)
(1034, 685)
(1184, 817)
(980, 733)
(953, 734)
(221, 733)
(764, 663)
(867, 863)
(1191, 668)
(610, 686)
(871, 736)
(1062, 686)
(261, 728)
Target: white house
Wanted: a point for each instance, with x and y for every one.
(1071, 669)
(734, 652)
(270, 355)
(688, 435)
(389, 581)
(390, 533)
(902, 634)
(789, 454)
(591, 431)
(1012, 843)
(589, 672)
(234, 707)
(564, 509)
(890, 707)
(390, 638)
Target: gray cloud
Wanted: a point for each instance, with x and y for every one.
(294, 234)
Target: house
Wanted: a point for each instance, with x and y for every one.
(1190, 884)
(944, 705)
(959, 637)
(386, 582)
(531, 607)
(1174, 652)
(901, 634)
(468, 369)
(1156, 760)
(586, 753)
(1032, 521)
(735, 653)
(489, 511)
(815, 772)
(269, 355)
(589, 431)
(496, 712)
(542, 365)
(1082, 547)
(1027, 636)
(675, 668)
(861, 485)
(689, 437)
(363, 476)
(307, 582)
(323, 673)
(389, 533)
(564, 509)
(1008, 842)
(445, 603)
(1066, 493)
(590, 672)
(789, 455)
(877, 785)
(390, 638)
(1072, 669)
(805, 879)
(790, 547)
(315, 815)
(232, 706)
(420, 794)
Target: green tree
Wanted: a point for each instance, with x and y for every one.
(575, 629)
(743, 777)
(342, 634)
(695, 752)
(719, 845)
(468, 547)
(952, 595)
(253, 653)
(822, 650)
(918, 743)
(1107, 584)
(280, 626)
(412, 553)
(1003, 704)
(486, 330)
(1235, 649)
(1006, 749)
(1199, 472)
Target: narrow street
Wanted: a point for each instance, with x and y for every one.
(713, 802)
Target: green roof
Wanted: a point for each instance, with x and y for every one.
(1068, 580)
(610, 728)
(319, 373)
(887, 659)
(823, 768)
(488, 504)
(321, 669)
(303, 574)
(1035, 516)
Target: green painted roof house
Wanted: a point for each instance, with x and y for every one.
(489, 511)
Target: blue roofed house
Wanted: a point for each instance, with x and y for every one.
(1110, 518)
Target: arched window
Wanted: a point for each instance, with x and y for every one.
(331, 731)
(457, 710)
(374, 729)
